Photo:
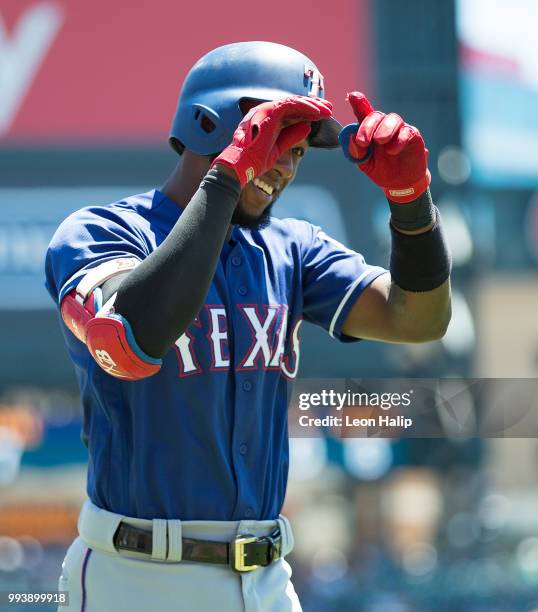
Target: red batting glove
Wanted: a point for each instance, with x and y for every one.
(267, 131)
(398, 162)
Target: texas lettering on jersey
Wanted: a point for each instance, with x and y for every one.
(266, 325)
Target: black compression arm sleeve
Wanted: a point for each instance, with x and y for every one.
(161, 297)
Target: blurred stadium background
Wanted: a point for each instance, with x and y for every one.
(87, 91)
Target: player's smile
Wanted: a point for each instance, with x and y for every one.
(263, 191)
(263, 185)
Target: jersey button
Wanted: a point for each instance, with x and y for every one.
(249, 512)
(236, 260)
(243, 449)
(247, 385)
(242, 290)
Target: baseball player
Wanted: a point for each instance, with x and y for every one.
(181, 310)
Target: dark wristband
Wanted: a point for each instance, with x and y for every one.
(420, 262)
(413, 215)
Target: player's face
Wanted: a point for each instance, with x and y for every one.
(258, 196)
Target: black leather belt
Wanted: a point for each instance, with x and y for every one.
(244, 554)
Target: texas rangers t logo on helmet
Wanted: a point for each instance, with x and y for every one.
(316, 84)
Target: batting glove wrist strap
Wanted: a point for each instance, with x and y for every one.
(409, 193)
(420, 262)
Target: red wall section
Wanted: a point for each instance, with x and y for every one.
(113, 71)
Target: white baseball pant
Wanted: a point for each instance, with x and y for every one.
(98, 578)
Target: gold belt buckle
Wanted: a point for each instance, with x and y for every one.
(239, 553)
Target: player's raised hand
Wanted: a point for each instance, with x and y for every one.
(389, 151)
(267, 131)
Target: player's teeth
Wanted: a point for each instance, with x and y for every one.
(263, 186)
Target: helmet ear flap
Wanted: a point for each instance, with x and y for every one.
(203, 120)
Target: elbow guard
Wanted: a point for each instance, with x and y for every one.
(107, 335)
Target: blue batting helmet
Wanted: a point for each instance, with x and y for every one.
(209, 111)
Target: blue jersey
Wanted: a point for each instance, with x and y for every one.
(206, 437)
